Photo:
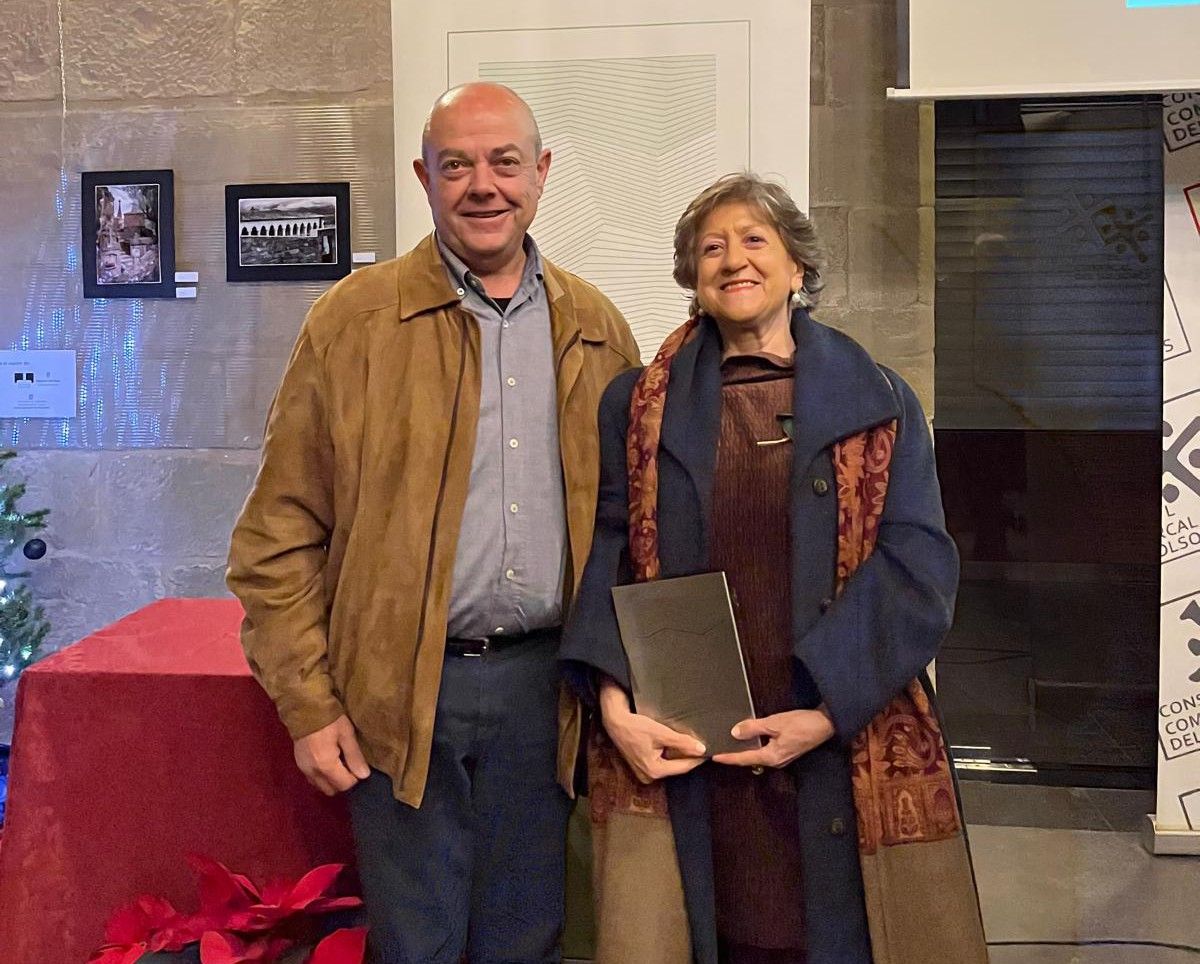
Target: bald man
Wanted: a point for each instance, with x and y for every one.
(415, 536)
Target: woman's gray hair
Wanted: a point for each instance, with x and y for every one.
(776, 205)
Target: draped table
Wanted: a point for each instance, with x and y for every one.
(138, 745)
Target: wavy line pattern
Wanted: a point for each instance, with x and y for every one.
(634, 140)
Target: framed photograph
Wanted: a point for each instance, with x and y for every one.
(128, 234)
(287, 232)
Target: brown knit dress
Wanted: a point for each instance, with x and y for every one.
(756, 845)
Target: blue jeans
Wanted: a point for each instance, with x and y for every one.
(478, 869)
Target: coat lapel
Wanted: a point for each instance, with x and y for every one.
(839, 391)
(692, 414)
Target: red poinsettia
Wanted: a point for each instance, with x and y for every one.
(237, 922)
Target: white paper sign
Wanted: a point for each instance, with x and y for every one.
(37, 384)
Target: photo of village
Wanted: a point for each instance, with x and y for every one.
(127, 249)
(287, 230)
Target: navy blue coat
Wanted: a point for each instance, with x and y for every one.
(854, 653)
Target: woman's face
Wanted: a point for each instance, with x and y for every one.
(745, 275)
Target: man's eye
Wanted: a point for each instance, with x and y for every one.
(451, 166)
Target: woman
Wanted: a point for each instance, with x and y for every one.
(764, 444)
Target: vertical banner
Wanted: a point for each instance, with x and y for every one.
(1176, 824)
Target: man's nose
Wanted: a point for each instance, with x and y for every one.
(482, 182)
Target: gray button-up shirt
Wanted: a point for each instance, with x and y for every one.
(510, 563)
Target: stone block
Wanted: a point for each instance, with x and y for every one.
(29, 51)
(30, 141)
(142, 50)
(866, 154)
(832, 225)
(65, 482)
(171, 503)
(196, 580)
(885, 249)
(861, 53)
(82, 593)
(283, 46)
(251, 397)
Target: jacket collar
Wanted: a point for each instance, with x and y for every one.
(424, 287)
(839, 391)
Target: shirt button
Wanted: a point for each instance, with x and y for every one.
(513, 508)
(826, 604)
(505, 324)
(820, 486)
(510, 381)
(459, 292)
(510, 574)
(837, 826)
(513, 443)
(499, 630)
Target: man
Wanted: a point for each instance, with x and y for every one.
(418, 526)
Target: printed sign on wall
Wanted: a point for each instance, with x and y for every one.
(37, 384)
(1179, 668)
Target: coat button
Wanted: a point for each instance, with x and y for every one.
(837, 826)
(825, 604)
(820, 486)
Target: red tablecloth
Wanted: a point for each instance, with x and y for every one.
(141, 743)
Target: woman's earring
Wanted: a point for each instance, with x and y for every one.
(796, 298)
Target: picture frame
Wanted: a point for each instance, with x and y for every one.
(128, 225)
(287, 232)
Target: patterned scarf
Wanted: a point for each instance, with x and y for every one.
(902, 783)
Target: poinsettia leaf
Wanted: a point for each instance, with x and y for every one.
(218, 948)
(345, 946)
(138, 920)
(323, 905)
(124, 954)
(255, 918)
(312, 885)
(127, 925)
(275, 891)
(219, 887)
(177, 933)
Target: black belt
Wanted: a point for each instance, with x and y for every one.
(457, 646)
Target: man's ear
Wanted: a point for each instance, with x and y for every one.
(543, 168)
(422, 172)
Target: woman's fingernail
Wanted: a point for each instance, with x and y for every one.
(701, 748)
(736, 732)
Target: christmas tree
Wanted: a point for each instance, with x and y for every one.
(23, 624)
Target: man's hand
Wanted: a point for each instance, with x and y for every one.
(643, 741)
(330, 757)
(789, 736)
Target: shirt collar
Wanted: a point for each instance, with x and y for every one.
(462, 277)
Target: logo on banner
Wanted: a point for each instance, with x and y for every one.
(1181, 491)
(1181, 120)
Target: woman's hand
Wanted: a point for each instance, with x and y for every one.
(789, 736)
(643, 742)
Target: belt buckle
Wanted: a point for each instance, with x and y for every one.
(480, 649)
